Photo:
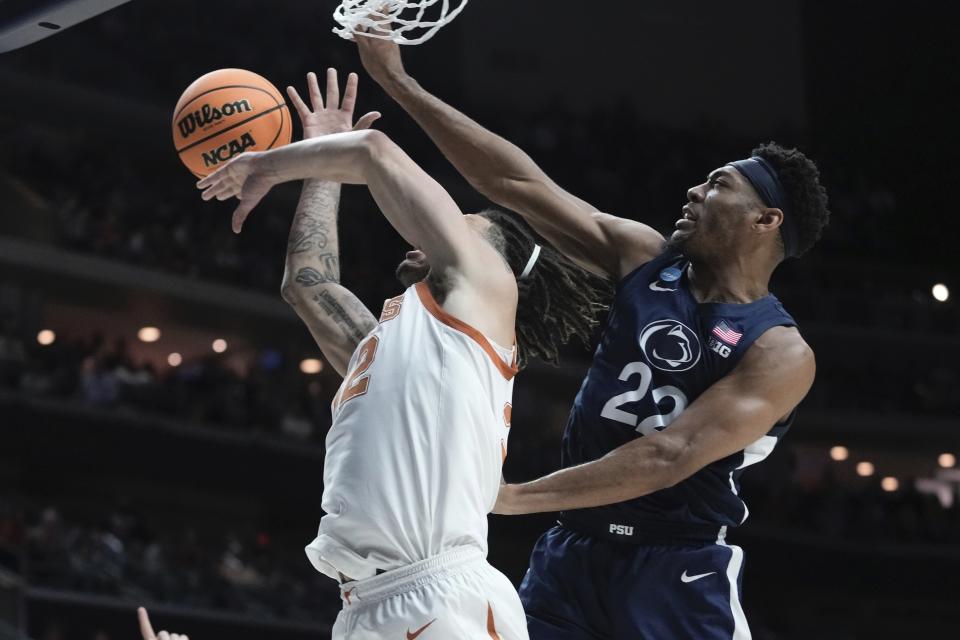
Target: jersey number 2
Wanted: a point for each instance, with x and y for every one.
(357, 383)
(652, 423)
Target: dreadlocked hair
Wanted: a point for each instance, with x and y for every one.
(800, 178)
(557, 299)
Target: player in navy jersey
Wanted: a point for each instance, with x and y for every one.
(697, 376)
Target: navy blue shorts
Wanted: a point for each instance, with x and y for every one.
(584, 587)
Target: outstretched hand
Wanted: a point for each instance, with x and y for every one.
(244, 177)
(321, 118)
(146, 629)
(381, 58)
(248, 177)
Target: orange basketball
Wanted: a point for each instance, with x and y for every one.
(225, 113)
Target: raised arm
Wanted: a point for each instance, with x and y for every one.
(419, 208)
(501, 171)
(770, 381)
(335, 317)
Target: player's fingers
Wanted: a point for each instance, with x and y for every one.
(206, 181)
(146, 629)
(302, 110)
(239, 215)
(333, 89)
(223, 173)
(366, 120)
(211, 192)
(163, 635)
(217, 188)
(350, 93)
(242, 211)
(316, 98)
(226, 193)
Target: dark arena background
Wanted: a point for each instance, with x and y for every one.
(161, 444)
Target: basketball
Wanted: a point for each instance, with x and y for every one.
(224, 113)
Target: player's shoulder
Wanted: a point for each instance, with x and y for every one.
(782, 347)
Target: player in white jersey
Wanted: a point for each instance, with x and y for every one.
(419, 435)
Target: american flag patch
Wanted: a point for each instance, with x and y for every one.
(727, 334)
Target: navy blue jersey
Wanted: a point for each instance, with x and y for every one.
(659, 351)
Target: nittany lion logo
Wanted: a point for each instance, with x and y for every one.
(670, 345)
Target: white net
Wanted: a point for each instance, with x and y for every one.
(403, 21)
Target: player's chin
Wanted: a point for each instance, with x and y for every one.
(679, 238)
(411, 272)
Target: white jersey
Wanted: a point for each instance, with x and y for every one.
(415, 453)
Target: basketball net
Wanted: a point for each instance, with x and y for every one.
(394, 19)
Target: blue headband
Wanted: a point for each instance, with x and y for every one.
(761, 175)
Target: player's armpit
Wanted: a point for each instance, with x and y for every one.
(769, 382)
(336, 318)
(633, 243)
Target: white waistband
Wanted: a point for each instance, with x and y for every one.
(369, 590)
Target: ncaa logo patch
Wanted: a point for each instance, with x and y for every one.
(670, 345)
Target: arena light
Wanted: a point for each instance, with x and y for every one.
(148, 334)
(219, 345)
(174, 359)
(839, 453)
(865, 469)
(311, 365)
(890, 484)
(46, 337)
(940, 292)
(947, 460)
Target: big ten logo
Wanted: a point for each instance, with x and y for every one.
(718, 347)
(226, 151)
(391, 308)
(621, 529)
(208, 114)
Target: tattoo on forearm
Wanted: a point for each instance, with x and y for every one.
(316, 218)
(329, 272)
(353, 322)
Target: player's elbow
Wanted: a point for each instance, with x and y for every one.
(293, 293)
(673, 455)
(289, 292)
(375, 145)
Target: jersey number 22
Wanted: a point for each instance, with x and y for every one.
(652, 423)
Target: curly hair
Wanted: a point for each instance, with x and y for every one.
(800, 178)
(557, 299)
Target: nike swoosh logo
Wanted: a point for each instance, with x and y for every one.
(686, 578)
(654, 287)
(413, 636)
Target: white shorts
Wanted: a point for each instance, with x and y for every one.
(456, 595)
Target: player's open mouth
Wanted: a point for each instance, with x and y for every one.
(688, 221)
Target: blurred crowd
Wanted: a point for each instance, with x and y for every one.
(837, 511)
(244, 570)
(272, 397)
(120, 554)
(148, 213)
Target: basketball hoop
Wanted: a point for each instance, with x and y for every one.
(394, 19)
